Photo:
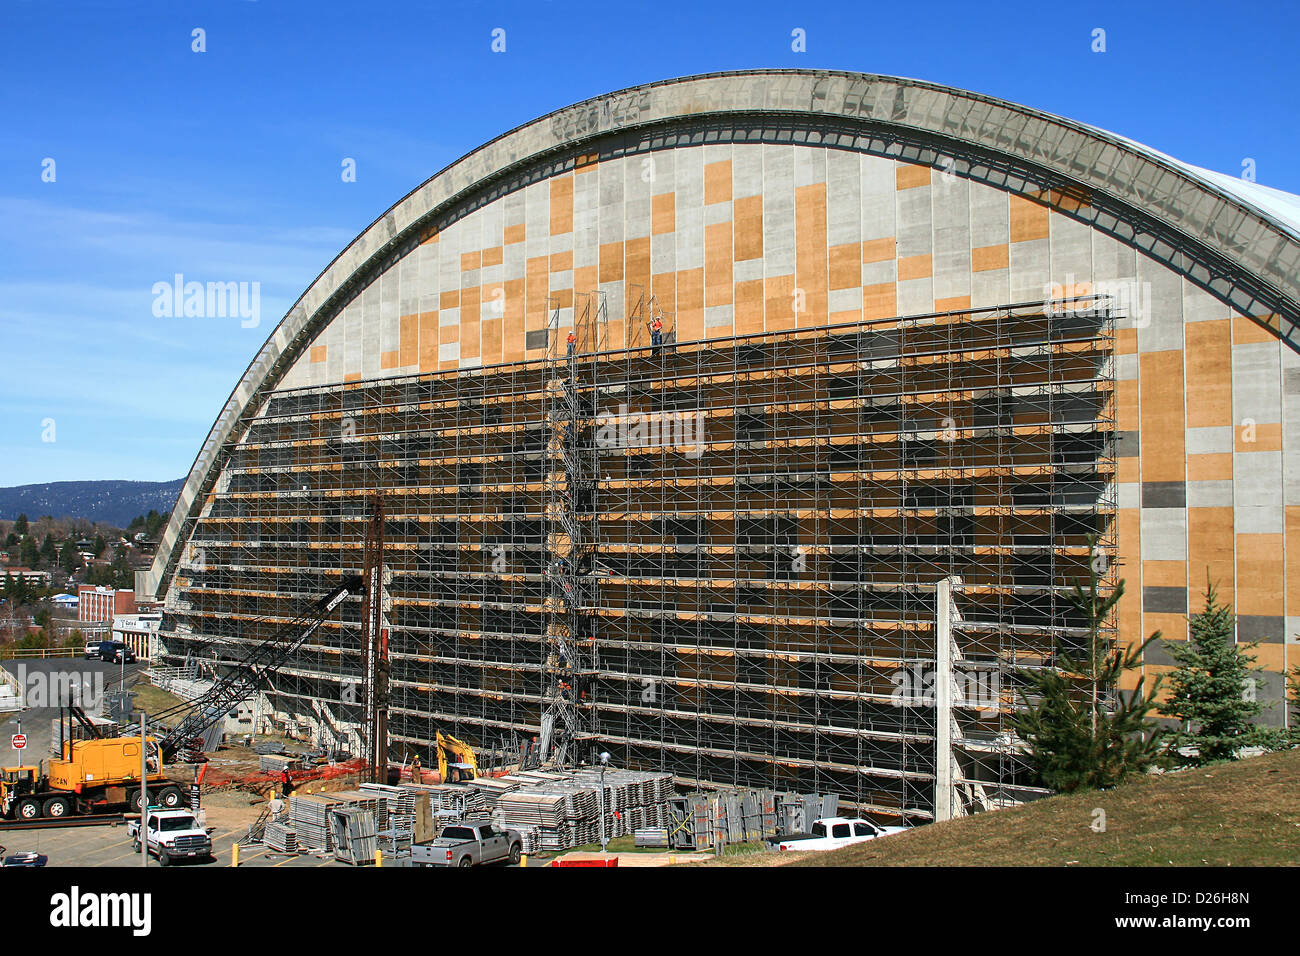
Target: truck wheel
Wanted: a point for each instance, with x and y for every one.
(29, 808)
(163, 858)
(56, 807)
(133, 802)
(515, 854)
(465, 861)
(171, 798)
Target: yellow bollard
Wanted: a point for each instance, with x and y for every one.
(379, 858)
(523, 860)
(234, 855)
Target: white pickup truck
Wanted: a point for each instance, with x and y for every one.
(173, 835)
(831, 833)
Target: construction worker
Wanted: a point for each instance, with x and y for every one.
(416, 776)
(286, 781)
(656, 333)
(572, 342)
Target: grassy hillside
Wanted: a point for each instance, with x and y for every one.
(1239, 814)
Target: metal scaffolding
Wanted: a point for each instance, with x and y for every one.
(751, 530)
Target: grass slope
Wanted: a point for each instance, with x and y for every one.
(1237, 814)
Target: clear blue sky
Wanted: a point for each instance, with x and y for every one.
(225, 165)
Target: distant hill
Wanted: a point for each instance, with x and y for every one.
(113, 502)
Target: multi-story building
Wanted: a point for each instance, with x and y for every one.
(138, 632)
(866, 373)
(96, 606)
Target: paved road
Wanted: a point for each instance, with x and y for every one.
(43, 678)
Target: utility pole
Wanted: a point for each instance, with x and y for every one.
(144, 790)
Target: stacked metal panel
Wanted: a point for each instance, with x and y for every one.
(281, 838)
(356, 838)
(309, 818)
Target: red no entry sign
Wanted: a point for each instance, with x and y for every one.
(18, 741)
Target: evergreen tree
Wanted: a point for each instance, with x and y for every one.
(100, 545)
(1212, 690)
(49, 553)
(20, 526)
(11, 539)
(69, 560)
(1081, 730)
(28, 556)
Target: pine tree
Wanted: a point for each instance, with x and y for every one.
(20, 526)
(1082, 732)
(100, 545)
(69, 560)
(1212, 690)
(27, 554)
(49, 553)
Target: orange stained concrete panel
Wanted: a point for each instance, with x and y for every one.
(1029, 220)
(748, 311)
(910, 177)
(515, 233)
(388, 360)
(1164, 574)
(1209, 467)
(1126, 341)
(879, 250)
(955, 303)
(1127, 405)
(1263, 436)
(470, 260)
(448, 333)
(845, 266)
(879, 301)
(636, 257)
(1293, 561)
(987, 258)
(717, 182)
(490, 342)
(1247, 331)
(449, 299)
(561, 261)
(428, 335)
(1274, 657)
(1260, 570)
(663, 213)
(1163, 434)
(586, 278)
(352, 377)
(317, 353)
(810, 250)
(408, 340)
(778, 303)
(493, 256)
(561, 205)
(514, 301)
(1209, 373)
(611, 262)
(664, 288)
(717, 264)
(747, 213)
(690, 304)
(915, 267)
(1171, 626)
(1210, 550)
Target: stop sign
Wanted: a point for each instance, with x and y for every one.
(18, 741)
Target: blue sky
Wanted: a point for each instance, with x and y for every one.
(225, 165)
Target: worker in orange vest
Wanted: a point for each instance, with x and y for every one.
(656, 333)
(572, 342)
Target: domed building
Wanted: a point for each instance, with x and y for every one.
(711, 419)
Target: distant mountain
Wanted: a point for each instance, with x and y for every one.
(113, 502)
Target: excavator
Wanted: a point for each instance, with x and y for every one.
(456, 758)
(97, 774)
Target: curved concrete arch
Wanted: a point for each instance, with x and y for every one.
(1240, 251)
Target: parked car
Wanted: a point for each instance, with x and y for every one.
(831, 833)
(115, 652)
(464, 844)
(92, 650)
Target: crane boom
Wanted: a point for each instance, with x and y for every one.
(245, 678)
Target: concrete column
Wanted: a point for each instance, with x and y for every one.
(943, 684)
